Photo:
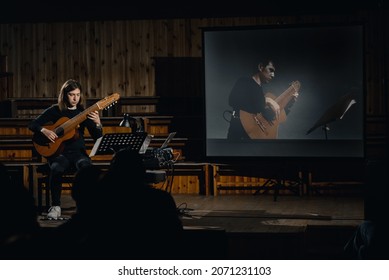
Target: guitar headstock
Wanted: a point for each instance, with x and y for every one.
(108, 101)
(296, 85)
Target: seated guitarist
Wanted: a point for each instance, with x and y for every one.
(72, 151)
(248, 95)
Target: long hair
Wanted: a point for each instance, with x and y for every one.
(67, 87)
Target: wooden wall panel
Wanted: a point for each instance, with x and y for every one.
(117, 56)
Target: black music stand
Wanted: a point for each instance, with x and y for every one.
(111, 143)
(336, 111)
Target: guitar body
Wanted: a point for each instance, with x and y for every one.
(257, 127)
(65, 128)
(47, 148)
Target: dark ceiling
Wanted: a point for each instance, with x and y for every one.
(55, 11)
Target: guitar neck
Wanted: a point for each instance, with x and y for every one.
(76, 120)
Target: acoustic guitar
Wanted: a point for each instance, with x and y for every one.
(65, 128)
(257, 127)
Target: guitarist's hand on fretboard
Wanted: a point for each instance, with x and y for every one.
(295, 95)
(51, 135)
(95, 117)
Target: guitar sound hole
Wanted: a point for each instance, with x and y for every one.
(59, 131)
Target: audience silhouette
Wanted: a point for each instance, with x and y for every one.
(369, 242)
(140, 221)
(125, 218)
(370, 239)
(74, 233)
(19, 220)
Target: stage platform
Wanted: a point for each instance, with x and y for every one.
(257, 227)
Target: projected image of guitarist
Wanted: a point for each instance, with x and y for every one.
(59, 136)
(256, 115)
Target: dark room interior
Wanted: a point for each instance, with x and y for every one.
(299, 196)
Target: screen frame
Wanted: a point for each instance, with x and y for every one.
(291, 157)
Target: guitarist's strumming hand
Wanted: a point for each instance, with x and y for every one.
(51, 135)
(274, 106)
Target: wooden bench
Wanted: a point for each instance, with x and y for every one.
(16, 143)
(342, 177)
(189, 178)
(256, 179)
(183, 175)
(31, 107)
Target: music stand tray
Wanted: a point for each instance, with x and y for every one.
(336, 111)
(110, 143)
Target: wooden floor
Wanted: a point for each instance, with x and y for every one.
(257, 227)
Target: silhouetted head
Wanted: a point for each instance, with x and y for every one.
(128, 164)
(86, 182)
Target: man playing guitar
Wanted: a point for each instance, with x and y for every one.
(256, 115)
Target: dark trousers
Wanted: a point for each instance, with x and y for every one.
(58, 166)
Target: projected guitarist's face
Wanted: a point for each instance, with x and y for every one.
(267, 72)
(73, 98)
